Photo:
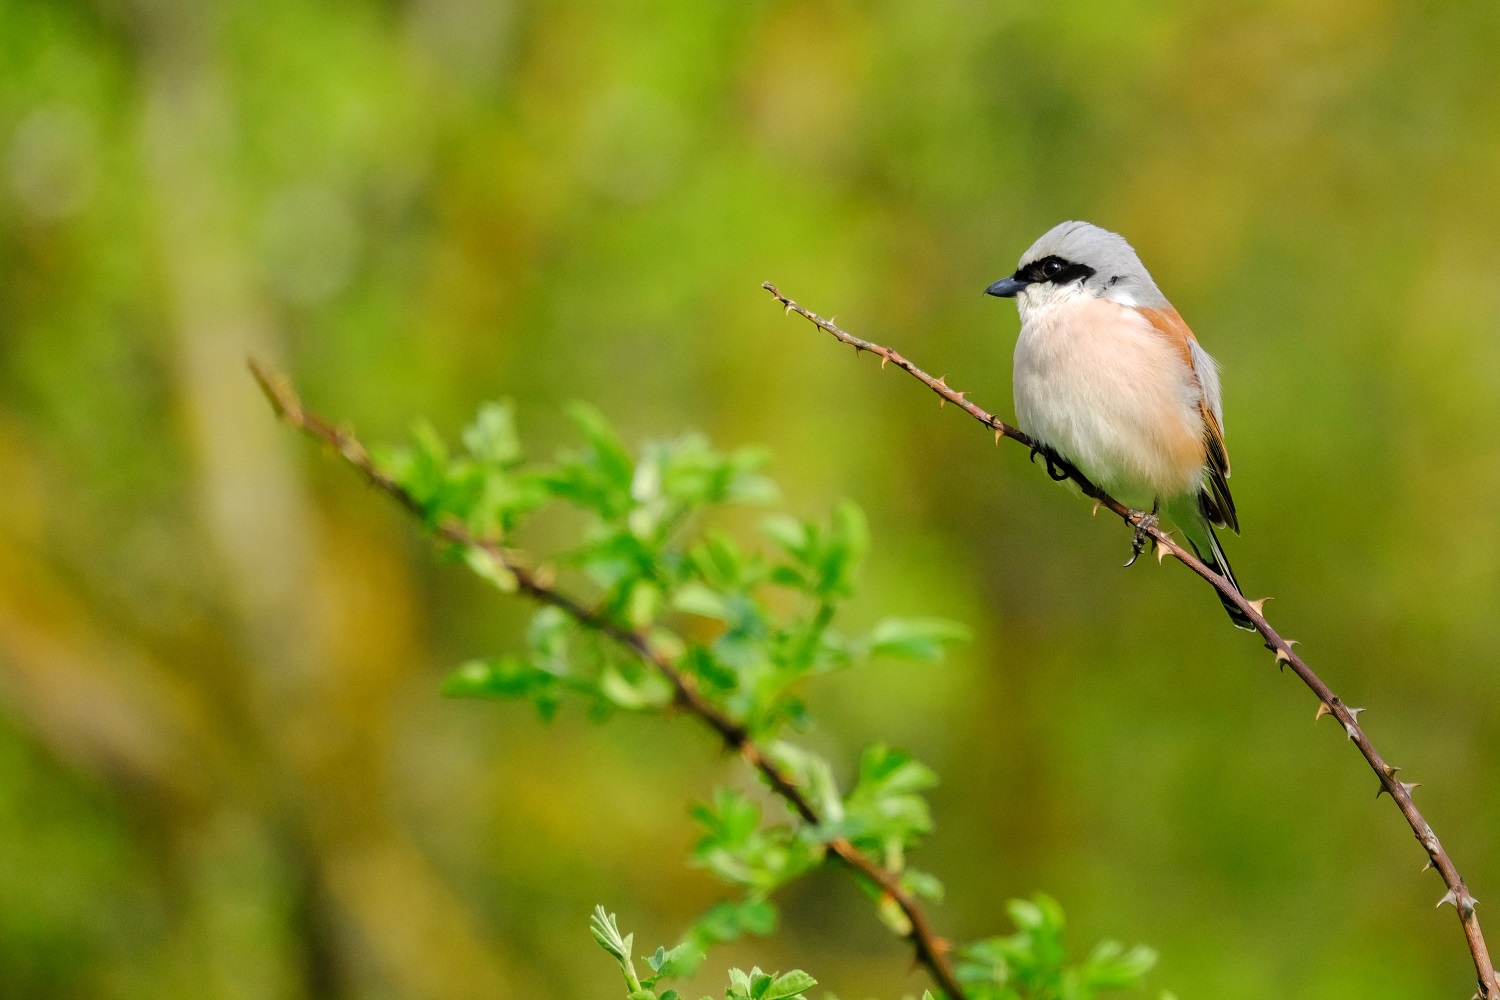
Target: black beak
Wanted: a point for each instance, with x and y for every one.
(1006, 288)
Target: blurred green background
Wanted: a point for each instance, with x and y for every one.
(225, 770)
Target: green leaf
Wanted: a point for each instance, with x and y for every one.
(492, 437)
(608, 454)
(487, 566)
(607, 932)
(698, 599)
(923, 639)
(680, 961)
(1110, 967)
(502, 677)
(727, 921)
(791, 984)
(650, 691)
(787, 532)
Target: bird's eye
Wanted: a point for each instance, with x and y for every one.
(1051, 268)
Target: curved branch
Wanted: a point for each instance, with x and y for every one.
(931, 950)
(1328, 703)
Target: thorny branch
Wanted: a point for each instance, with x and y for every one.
(931, 950)
(1328, 703)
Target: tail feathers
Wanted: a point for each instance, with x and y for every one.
(1215, 560)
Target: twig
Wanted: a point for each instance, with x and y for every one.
(1328, 703)
(931, 950)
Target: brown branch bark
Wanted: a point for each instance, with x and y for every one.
(931, 950)
(1328, 703)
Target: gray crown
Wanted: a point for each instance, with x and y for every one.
(1117, 267)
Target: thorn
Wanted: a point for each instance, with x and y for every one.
(1097, 505)
(1323, 710)
(1161, 553)
(1390, 770)
(1354, 711)
(943, 381)
(883, 359)
(1259, 606)
(1350, 728)
(1407, 786)
(1448, 897)
(789, 307)
(1282, 656)
(1380, 791)
(997, 435)
(1424, 868)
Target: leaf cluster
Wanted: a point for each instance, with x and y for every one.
(747, 626)
(1032, 963)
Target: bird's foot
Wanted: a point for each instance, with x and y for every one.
(1144, 524)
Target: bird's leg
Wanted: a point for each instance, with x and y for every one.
(1055, 467)
(1143, 523)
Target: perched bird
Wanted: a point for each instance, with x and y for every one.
(1109, 379)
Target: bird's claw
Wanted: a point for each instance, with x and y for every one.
(1055, 466)
(1144, 524)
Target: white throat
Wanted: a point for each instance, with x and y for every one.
(1040, 298)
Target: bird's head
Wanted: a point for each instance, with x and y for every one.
(1076, 259)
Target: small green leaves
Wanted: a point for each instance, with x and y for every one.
(680, 961)
(1032, 963)
(824, 561)
(757, 985)
(607, 932)
(728, 920)
(492, 437)
(743, 853)
(676, 963)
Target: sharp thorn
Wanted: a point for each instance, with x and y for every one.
(1448, 897)
(1323, 710)
(1097, 505)
(1350, 728)
(997, 435)
(1259, 606)
(1161, 553)
(1380, 791)
(883, 359)
(1408, 786)
(1390, 770)
(1354, 711)
(1282, 656)
(1425, 867)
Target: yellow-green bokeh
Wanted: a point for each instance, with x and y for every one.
(225, 771)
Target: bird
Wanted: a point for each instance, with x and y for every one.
(1109, 379)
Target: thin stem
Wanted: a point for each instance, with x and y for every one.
(931, 950)
(1328, 703)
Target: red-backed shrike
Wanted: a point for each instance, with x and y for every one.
(1110, 379)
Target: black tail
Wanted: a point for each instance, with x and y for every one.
(1215, 560)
